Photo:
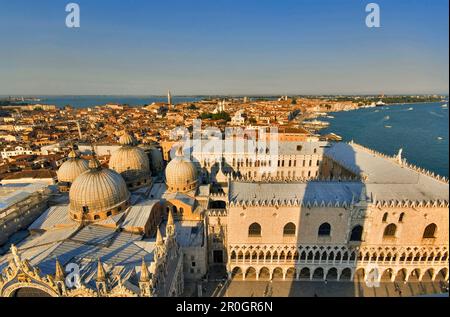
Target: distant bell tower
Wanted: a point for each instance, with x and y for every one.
(169, 98)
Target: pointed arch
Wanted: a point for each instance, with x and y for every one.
(250, 274)
(264, 273)
(318, 274)
(261, 256)
(233, 255)
(275, 256)
(277, 273)
(303, 256)
(317, 256)
(332, 274)
(401, 275)
(430, 231)
(346, 274)
(236, 273)
(331, 256)
(305, 274)
(390, 231)
(291, 273)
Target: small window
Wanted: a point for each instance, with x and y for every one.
(385, 216)
(193, 264)
(96, 217)
(289, 229)
(402, 216)
(299, 147)
(430, 231)
(109, 213)
(390, 230)
(324, 230)
(85, 209)
(254, 230)
(356, 234)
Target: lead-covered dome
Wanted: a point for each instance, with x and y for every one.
(181, 173)
(97, 194)
(71, 169)
(131, 162)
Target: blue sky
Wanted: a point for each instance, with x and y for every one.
(223, 47)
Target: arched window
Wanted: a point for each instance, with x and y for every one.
(324, 230)
(385, 217)
(289, 229)
(356, 233)
(254, 230)
(430, 231)
(402, 216)
(390, 231)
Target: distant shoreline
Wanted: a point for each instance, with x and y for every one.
(386, 105)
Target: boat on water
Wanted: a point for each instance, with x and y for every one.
(444, 106)
(410, 109)
(387, 118)
(330, 117)
(440, 138)
(332, 137)
(388, 126)
(372, 105)
(315, 124)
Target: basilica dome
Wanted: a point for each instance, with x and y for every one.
(156, 158)
(97, 194)
(71, 169)
(181, 173)
(131, 162)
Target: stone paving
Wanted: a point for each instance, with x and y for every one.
(238, 288)
(330, 289)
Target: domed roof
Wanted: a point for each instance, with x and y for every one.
(97, 191)
(156, 158)
(127, 139)
(72, 168)
(181, 173)
(130, 161)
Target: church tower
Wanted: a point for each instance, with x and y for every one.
(169, 98)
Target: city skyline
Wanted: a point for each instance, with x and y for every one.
(220, 48)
